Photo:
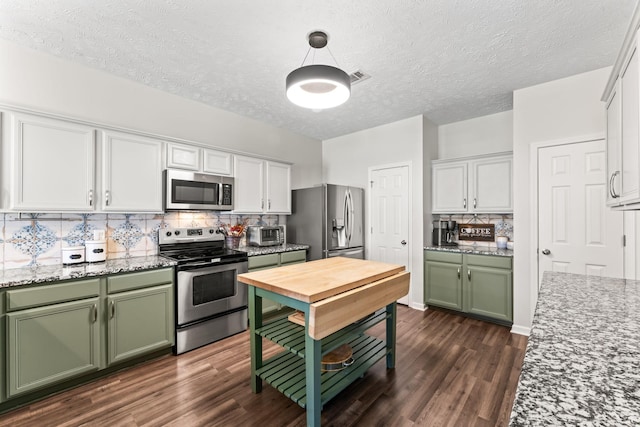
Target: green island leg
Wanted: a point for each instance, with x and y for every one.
(313, 360)
(255, 322)
(391, 335)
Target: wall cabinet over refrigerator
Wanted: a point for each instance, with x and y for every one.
(261, 186)
(190, 157)
(480, 184)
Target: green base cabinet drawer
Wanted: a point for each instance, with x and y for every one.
(51, 344)
(293, 257)
(140, 322)
(20, 299)
(143, 279)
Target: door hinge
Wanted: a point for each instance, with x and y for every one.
(371, 182)
(371, 230)
(624, 240)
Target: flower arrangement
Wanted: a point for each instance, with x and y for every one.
(236, 230)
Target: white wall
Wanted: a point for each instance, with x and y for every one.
(480, 135)
(347, 159)
(43, 82)
(565, 109)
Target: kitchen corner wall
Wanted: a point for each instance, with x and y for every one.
(31, 240)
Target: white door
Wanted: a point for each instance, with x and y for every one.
(248, 191)
(577, 233)
(390, 217)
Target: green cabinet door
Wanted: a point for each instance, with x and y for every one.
(488, 292)
(139, 322)
(50, 344)
(443, 284)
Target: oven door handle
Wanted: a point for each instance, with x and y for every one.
(199, 264)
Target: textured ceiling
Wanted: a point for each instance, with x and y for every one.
(447, 59)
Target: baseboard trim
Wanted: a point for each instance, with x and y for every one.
(520, 330)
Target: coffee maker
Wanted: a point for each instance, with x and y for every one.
(444, 233)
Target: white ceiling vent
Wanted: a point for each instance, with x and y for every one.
(358, 76)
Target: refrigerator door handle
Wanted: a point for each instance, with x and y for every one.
(345, 213)
(351, 215)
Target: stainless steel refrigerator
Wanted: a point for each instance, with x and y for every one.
(330, 219)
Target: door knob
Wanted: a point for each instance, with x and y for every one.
(404, 242)
(546, 252)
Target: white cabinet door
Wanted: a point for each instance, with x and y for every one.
(217, 162)
(278, 182)
(630, 137)
(131, 173)
(53, 165)
(182, 156)
(614, 149)
(490, 185)
(449, 187)
(248, 190)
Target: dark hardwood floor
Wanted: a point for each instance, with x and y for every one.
(450, 370)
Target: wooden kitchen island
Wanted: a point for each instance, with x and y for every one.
(341, 298)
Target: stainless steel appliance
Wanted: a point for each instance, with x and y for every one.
(210, 302)
(185, 190)
(444, 233)
(265, 235)
(330, 219)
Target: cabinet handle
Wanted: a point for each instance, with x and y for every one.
(94, 311)
(458, 272)
(106, 197)
(469, 275)
(90, 197)
(474, 203)
(113, 308)
(261, 203)
(612, 180)
(464, 203)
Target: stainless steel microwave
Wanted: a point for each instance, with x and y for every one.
(185, 190)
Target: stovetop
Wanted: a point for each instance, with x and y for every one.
(187, 245)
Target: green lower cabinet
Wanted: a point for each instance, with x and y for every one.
(47, 345)
(489, 293)
(478, 284)
(444, 284)
(139, 322)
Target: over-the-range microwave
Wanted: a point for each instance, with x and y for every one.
(186, 190)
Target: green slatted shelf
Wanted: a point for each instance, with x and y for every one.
(286, 371)
(291, 335)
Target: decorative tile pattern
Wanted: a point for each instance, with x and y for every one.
(34, 240)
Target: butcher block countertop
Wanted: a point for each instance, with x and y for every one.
(316, 280)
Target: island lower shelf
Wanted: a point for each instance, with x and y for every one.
(286, 371)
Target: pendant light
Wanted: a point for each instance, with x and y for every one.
(318, 86)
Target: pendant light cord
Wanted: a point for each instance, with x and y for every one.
(313, 60)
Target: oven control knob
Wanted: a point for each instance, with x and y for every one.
(168, 233)
(211, 231)
(177, 232)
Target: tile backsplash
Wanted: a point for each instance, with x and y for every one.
(30, 240)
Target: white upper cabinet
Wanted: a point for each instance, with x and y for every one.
(450, 187)
(261, 186)
(622, 105)
(474, 185)
(278, 188)
(189, 157)
(52, 167)
(614, 147)
(131, 173)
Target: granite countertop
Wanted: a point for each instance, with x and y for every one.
(582, 363)
(476, 250)
(287, 247)
(53, 273)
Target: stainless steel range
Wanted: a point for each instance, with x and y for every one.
(210, 302)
